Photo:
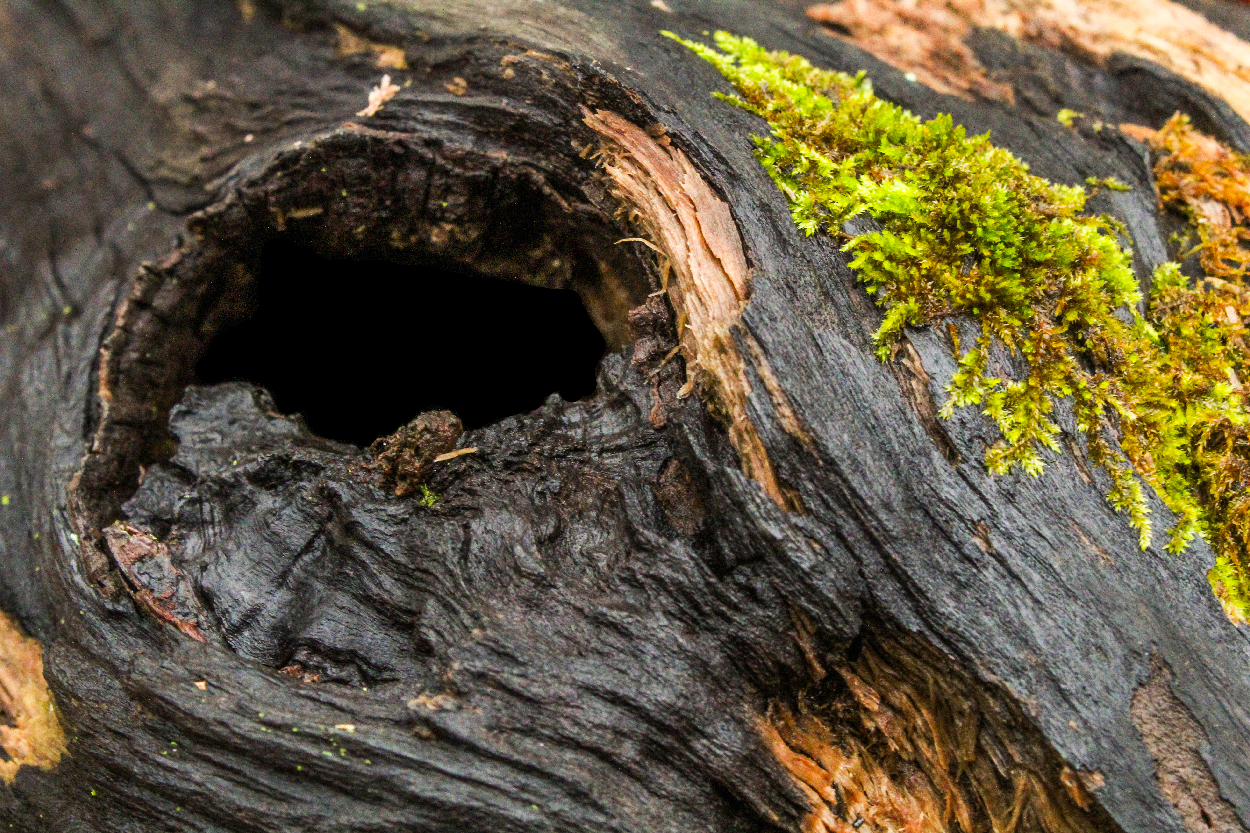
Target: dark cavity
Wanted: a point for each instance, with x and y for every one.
(359, 348)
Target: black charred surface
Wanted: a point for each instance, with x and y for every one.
(582, 632)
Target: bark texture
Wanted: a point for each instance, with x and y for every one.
(752, 583)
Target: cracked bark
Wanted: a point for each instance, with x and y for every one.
(752, 583)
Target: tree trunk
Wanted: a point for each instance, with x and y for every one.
(752, 582)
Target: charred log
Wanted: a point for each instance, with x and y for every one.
(752, 581)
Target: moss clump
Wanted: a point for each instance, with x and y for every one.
(961, 228)
(1203, 327)
(428, 498)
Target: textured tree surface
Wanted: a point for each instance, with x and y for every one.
(752, 583)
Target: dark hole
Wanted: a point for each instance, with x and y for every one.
(360, 348)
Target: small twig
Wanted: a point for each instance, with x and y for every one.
(664, 272)
(664, 361)
(451, 455)
(665, 267)
(688, 388)
(644, 241)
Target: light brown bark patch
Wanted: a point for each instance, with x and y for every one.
(30, 732)
(913, 381)
(1104, 555)
(386, 56)
(674, 207)
(9, 34)
(1174, 739)
(781, 400)
(926, 37)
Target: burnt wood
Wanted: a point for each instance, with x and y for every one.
(589, 627)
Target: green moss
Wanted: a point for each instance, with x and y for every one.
(1068, 117)
(961, 228)
(428, 498)
(1108, 182)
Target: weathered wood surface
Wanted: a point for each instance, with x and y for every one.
(587, 633)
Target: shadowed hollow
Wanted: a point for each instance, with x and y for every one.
(360, 348)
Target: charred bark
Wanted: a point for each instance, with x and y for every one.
(752, 582)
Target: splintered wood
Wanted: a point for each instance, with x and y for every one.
(926, 37)
(378, 97)
(30, 733)
(675, 209)
(902, 744)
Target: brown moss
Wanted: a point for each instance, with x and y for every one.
(1210, 185)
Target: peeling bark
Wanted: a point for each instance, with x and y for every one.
(898, 739)
(663, 194)
(1175, 741)
(928, 38)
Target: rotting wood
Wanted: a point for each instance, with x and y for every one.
(902, 741)
(694, 229)
(599, 606)
(404, 458)
(925, 37)
(30, 731)
(921, 38)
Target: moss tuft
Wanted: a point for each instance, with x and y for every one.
(428, 498)
(960, 227)
(1204, 328)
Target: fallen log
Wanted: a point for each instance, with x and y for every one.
(257, 578)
